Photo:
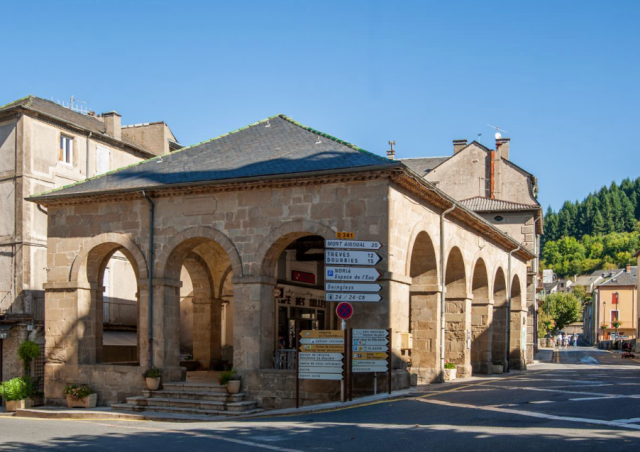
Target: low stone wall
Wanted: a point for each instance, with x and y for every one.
(113, 383)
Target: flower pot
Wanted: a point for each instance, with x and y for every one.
(450, 374)
(89, 401)
(413, 379)
(14, 405)
(153, 383)
(233, 386)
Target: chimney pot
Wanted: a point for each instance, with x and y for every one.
(459, 145)
(628, 268)
(502, 146)
(391, 153)
(113, 124)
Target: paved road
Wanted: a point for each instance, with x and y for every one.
(582, 400)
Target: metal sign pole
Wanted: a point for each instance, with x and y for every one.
(297, 366)
(390, 358)
(350, 353)
(345, 360)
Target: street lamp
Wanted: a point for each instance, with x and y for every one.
(604, 316)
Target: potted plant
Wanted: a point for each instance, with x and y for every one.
(80, 396)
(449, 371)
(152, 377)
(231, 380)
(17, 393)
(413, 378)
(27, 352)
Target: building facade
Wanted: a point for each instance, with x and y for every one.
(617, 300)
(244, 216)
(44, 146)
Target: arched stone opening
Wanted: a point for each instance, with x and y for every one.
(424, 313)
(481, 320)
(518, 326)
(458, 314)
(500, 323)
(189, 318)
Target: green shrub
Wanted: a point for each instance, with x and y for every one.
(449, 366)
(27, 352)
(18, 388)
(153, 372)
(78, 392)
(227, 376)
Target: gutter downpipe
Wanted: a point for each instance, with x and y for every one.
(443, 290)
(86, 176)
(150, 264)
(508, 347)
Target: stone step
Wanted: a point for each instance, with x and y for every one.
(214, 405)
(194, 395)
(183, 411)
(193, 386)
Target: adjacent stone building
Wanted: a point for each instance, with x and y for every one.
(43, 146)
(244, 217)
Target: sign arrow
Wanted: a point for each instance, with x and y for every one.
(370, 348)
(370, 369)
(351, 274)
(353, 244)
(370, 341)
(322, 370)
(322, 340)
(370, 333)
(369, 355)
(316, 376)
(320, 357)
(336, 364)
(351, 257)
(322, 333)
(321, 348)
(369, 362)
(351, 287)
(353, 297)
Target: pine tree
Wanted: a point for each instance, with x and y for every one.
(598, 226)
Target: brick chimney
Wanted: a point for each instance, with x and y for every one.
(502, 148)
(459, 145)
(628, 268)
(113, 124)
(391, 153)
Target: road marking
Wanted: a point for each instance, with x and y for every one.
(550, 417)
(559, 391)
(542, 401)
(596, 398)
(628, 421)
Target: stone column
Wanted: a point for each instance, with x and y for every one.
(166, 328)
(458, 326)
(207, 323)
(518, 340)
(499, 336)
(481, 340)
(425, 327)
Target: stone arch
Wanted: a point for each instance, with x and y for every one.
(422, 263)
(455, 274)
(516, 294)
(481, 319)
(480, 282)
(102, 245)
(197, 234)
(420, 230)
(500, 321)
(279, 238)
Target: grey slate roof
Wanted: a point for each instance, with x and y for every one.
(482, 204)
(422, 165)
(624, 278)
(275, 146)
(56, 111)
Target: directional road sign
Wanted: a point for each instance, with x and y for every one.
(323, 340)
(335, 357)
(362, 334)
(369, 362)
(351, 287)
(368, 341)
(322, 370)
(369, 355)
(353, 297)
(344, 311)
(318, 363)
(321, 348)
(340, 257)
(368, 348)
(322, 333)
(317, 376)
(370, 369)
(352, 244)
(351, 274)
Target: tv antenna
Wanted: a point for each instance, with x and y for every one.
(76, 105)
(498, 130)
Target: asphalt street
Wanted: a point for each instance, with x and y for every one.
(580, 399)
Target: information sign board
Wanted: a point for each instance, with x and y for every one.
(370, 355)
(370, 369)
(322, 333)
(317, 376)
(342, 257)
(321, 348)
(353, 297)
(320, 356)
(357, 334)
(353, 244)
(322, 340)
(370, 341)
(351, 287)
(357, 274)
(368, 348)
(322, 370)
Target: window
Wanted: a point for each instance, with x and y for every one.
(498, 218)
(614, 316)
(102, 160)
(66, 149)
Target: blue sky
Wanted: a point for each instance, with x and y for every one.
(560, 76)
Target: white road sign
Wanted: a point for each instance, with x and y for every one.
(353, 244)
(370, 348)
(369, 362)
(341, 257)
(320, 357)
(351, 274)
(369, 333)
(306, 363)
(322, 340)
(353, 297)
(370, 341)
(317, 376)
(321, 370)
(351, 287)
(370, 369)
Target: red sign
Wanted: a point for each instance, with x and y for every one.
(614, 298)
(304, 277)
(344, 311)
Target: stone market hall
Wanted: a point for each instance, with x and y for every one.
(226, 240)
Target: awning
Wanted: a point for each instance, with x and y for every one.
(120, 338)
(5, 331)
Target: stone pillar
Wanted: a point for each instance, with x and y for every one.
(166, 328)
(518, 342)
(425, 328)
(499, 336)
(481, 338)
(458, 330)
(207, 337)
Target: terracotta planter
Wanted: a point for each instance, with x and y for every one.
(450, 374)
(89, 401)
(14, 405)
(152, 383)
(233, 386)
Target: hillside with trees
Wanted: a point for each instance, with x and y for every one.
(602, 231)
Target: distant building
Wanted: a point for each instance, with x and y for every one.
(617, 299)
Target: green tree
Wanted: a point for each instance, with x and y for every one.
(563, 309)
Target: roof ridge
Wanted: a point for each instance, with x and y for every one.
(422, 158)
(28, 96)
(496, 199)
(332, 138)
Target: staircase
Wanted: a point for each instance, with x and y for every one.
(190, 398)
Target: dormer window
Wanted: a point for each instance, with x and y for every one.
(66, 149)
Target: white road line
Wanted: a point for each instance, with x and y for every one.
(543, 401)
(549, 417)
(560, 391)
(596, 398)
(628, 421)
